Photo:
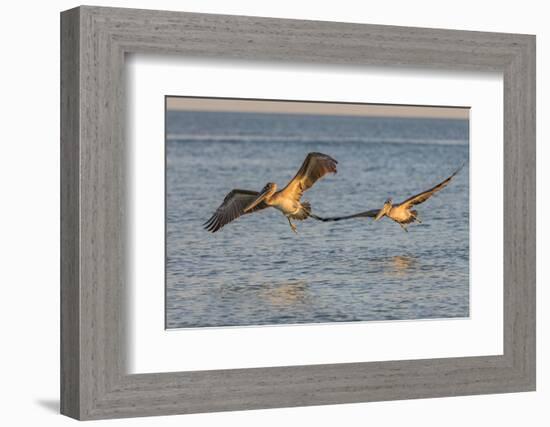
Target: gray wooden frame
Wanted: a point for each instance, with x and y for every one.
(94, 41)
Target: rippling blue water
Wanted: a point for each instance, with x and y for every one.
(255, 271)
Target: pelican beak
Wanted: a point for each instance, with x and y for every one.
(256, 202)
(380, 214)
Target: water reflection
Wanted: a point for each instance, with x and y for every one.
(285, 294)
(402, 265)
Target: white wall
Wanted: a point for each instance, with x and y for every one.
(29, 211)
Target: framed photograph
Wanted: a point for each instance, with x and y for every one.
(262, 213)
(254, 272)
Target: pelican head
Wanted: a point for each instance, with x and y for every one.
(385, 209)
(268, 191)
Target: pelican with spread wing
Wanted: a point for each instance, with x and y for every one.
(287, 200)
(402, 213)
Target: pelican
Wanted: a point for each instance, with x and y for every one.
(241, 202)
(400, 212)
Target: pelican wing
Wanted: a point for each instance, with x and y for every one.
(422, 197)
(315, 166)
(367, 214)
(233, 207)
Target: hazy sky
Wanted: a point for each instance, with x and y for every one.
(300, 107)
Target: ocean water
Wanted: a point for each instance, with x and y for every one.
(256, 271)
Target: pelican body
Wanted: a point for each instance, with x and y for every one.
(402, 213)
(288, 200)
(291, 207)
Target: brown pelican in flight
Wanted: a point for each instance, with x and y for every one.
(400, 212)
(287, 200)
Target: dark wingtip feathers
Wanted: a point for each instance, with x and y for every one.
(212, 224)
(331, 164)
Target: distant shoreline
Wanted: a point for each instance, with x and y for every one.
(234, 105)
